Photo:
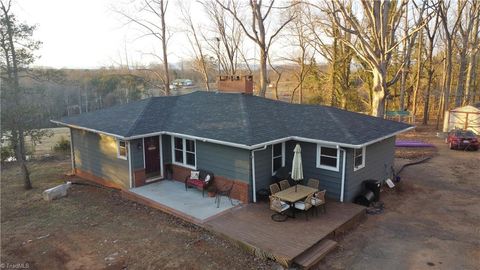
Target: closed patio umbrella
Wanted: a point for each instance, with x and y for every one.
(297, 168)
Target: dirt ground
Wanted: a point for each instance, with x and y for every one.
(95, 228)
(431, 219)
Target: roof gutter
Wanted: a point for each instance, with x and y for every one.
(238, 145)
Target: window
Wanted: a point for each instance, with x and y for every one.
(327, 158)
(183, 152)
(278, 156)
(122, 150)
(358, 158)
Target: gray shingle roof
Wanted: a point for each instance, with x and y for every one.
(236, 118)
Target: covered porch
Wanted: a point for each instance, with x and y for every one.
(171, 197)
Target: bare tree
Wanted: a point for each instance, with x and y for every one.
(431, 30)
(376, 41)
(338, 54)
(469, 14)
(407, 50)
(303, 57)
(257, 32)
(449, 33)
(150, 16)
(192, 33)
(470, 89)
(228, 36)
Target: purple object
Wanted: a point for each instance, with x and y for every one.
(400, 143)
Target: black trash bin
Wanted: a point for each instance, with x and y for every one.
(365, 198)
(373, 186)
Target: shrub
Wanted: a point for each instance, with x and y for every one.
(7, 152)
(63, 145)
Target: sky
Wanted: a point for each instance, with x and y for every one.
(91, 34)
(88, 34)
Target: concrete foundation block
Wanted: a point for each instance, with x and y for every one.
(56, 192)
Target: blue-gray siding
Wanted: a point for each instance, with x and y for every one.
(379, 158)
(229, 162)
(136, 146)
(263, 168)
(97, 155)
(329, 180)
(167, 149)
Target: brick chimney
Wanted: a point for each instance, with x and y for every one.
(235, 84)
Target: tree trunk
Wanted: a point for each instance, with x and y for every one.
(419, 73)
(263, 73)
(21, 159)
(379, 87)
(164, 48)
(448, 77)
(430, 80)
(472, 64)
(461, 76)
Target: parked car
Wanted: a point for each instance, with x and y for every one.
(462, 139)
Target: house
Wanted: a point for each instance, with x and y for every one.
(240, 137)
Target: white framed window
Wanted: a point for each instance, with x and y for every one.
(328, 158)
(122, 150)
(359, 158)
(184, 152)
(278, 156)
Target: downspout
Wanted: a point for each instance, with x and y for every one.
(342, 192)
(72, 152)
(129, 165)
(253, 172)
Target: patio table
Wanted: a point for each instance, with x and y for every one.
(295, 194)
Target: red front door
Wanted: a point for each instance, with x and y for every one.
(152, 156)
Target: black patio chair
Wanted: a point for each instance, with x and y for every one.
(224, 192)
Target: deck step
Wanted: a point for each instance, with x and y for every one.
(314, 254)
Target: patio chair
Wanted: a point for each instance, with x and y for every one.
(279, 207)
(305, 205)
(313, 183)
(274, 188)
(284, 184)
(205, 179)
(318, 200)
(224, 192)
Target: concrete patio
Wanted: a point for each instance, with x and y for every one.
(170, 196)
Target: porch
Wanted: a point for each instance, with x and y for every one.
(171, 197)
(294, 241)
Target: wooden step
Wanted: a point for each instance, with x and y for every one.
(314, 254)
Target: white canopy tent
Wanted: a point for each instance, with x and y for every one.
(466, 117)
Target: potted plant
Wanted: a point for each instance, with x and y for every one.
(211, 191)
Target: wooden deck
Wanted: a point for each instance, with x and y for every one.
(252, 228)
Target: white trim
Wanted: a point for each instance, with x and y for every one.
(282, 155)
(364, 153)
(126, 149)
(130, 178)
(239, 145)
(161, 155)
(184, 152)
(72, 152)
(342, 187)
(325, 167)
(254, 188)
(143, 149)
(88, 129)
